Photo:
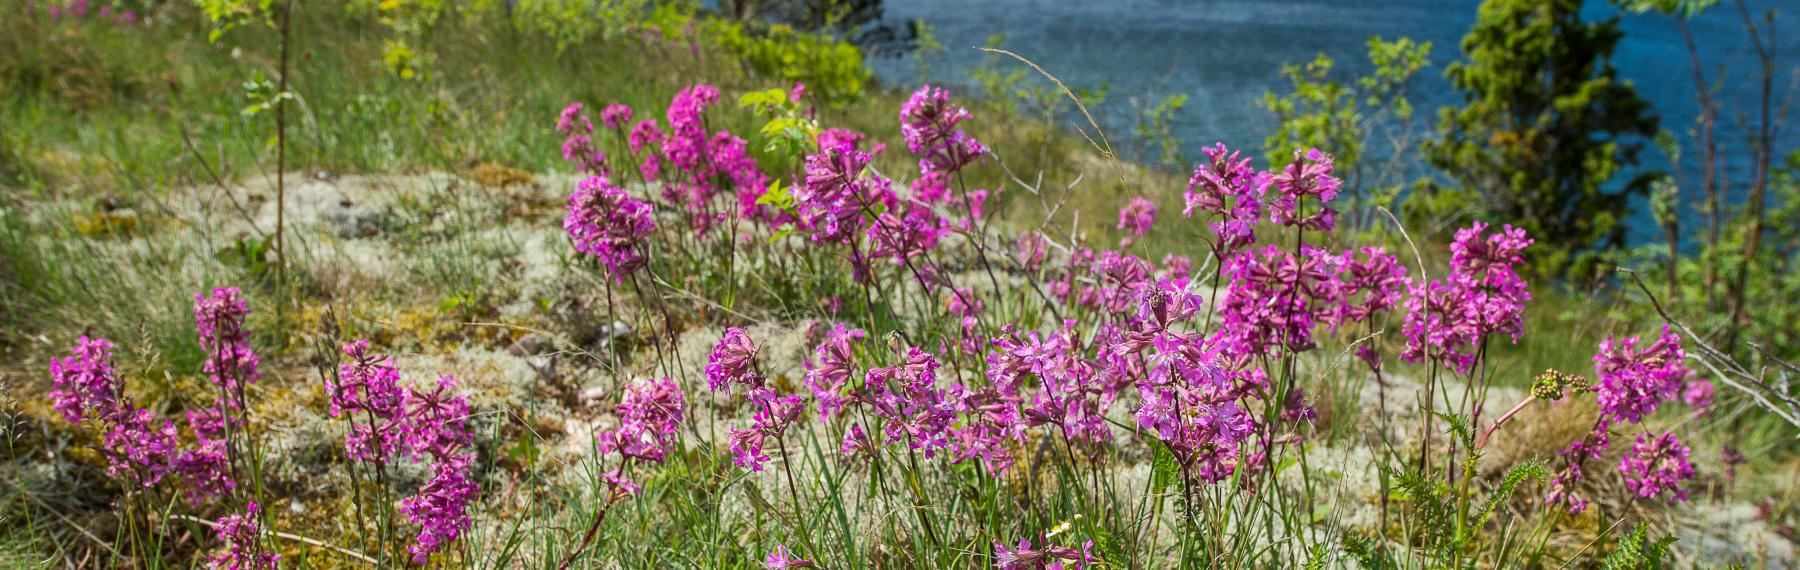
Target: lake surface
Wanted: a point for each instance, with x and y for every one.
(1225, 55)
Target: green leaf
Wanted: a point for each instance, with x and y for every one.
(1163, 468)
(1110, 550)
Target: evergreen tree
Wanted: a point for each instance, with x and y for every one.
(1545, 126)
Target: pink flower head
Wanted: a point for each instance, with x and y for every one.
(615, 115)
(686, 108)
(650, 413)
(1033, 250)
(607, 223)
(137, 446)
(1275, 298)
(84, 383)
(829, 372)
(367, 383)
(907, 395)
(1657, 465)
(1698, 394)
(782, 559)
(831, 200)
(219, 319)
(905, 235)
(243, 543)
(435, 422)
(1136, 218)
(772, 420)
(578, 147)
(205, 469)
(1308, 176)
(1226, 187)
(441, 508)
(1371, 281)
(928, 121)
(1633, 380)
(644, 135)
(368, 387)
(855, 441)
(1447, 319)
(1024, 557)
(733, 361)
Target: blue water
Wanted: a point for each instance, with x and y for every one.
(1225, 55)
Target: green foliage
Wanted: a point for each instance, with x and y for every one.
(1154, 127)
(1636, 551)
(1518, 475)
(1366, 553)
(411, 23)
(570, 22)
(831, 69)
(1002, 89)
(1324, 113)
(789, 131)
(1545, 124)
(1681, 8)
(926, 48)
(226, 15)
(1694, 294)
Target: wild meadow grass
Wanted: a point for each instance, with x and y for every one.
(748, 327)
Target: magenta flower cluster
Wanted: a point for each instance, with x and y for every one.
(1449, 319)
(1136, 218)
(1633, 380)
(83, 10)
(244, 547)
(1023, 556)
(421, 423)
(650, 413)
(140, 447)
(435, 425)
(607, 223)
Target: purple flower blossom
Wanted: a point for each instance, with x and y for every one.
(1698, 394)
(243, 543)
(650, 413)
(855, 441)
(1657, 465)
(578, 147)
(1136, 218)
(368, 386)
(607, 223)
(777, 413)
(782, 559)
(1033, 250)
(219, 319)
(137, 446)
(1368, 285)
(928, 121)
(733, 361)
(1448, 319)
(1229, 189)
(436, 422)
(916, 409)
(1274, 298)
(829, 373)
(441, 507)
(615, 116)
(904, 236)
(205, 469)
(834, 194)
(1024, 557)
(1308, 176)
(1633, 381)
(84, 384)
